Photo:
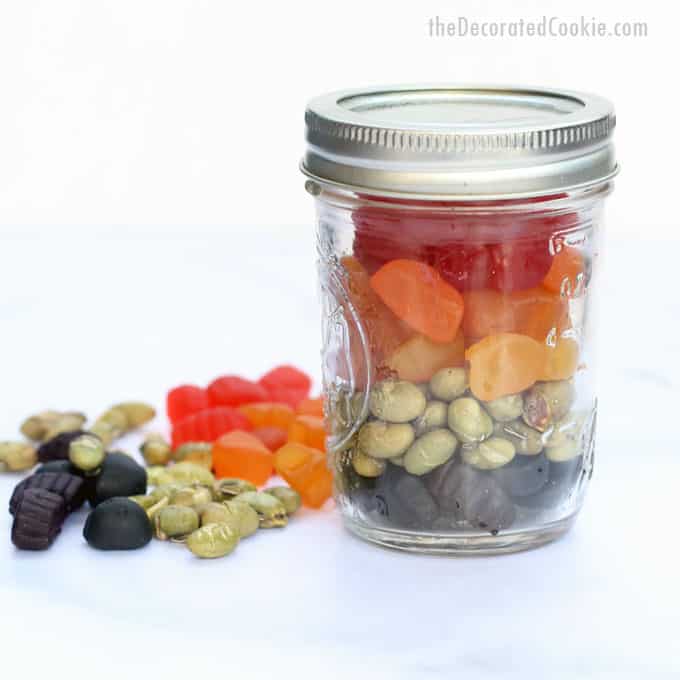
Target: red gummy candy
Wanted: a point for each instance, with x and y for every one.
(184, 401)
(507, 250)
(286, 376)
(230, 390)
(208, 425)
(286, 384)
(287, 395)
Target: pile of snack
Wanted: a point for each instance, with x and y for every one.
(468, 417)
(200, 489)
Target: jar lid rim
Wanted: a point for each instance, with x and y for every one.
(465, 140)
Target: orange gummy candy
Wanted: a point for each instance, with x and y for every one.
(540, 313)
(418, 359)
(535, 312)
(272, 437)
(310, 407)
(305, 470)
(420, 297)
(566, 270)
(384, 330)
(308, 430)
(487, 312)
(241, 454)
(268, 414)
(503, 364)
(561, 361)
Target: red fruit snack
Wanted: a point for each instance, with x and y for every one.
(185, 400)
(286, 384)
(230, 390)
(208, 425)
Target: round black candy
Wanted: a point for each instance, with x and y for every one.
(70, 487)
(39, 517)
(120, 476)
(57, 447)
(118, 524)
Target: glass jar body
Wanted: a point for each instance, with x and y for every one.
(458, 366)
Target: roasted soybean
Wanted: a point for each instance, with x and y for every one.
(385, 440)
(17, 456)
(430, 451)
(156, 450)
(504, 409)
(367, 466)
(434, 416)
(449, 383)
(271, 511)
(396, 401)
(469, 420)
(289, 497)
(86, 452)
(489, 454)
(176, 521)
(212, 541)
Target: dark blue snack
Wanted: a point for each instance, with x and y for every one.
(401, 500)
(69, 487)
(523, 475)
(118, 524)
(443, 483)
(39, 517)
(563, 481)
(57, 466)
(57, 447)
(89, 481)
(120, 476)
(465, 493)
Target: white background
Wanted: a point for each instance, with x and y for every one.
(190, 113)
(154, 229)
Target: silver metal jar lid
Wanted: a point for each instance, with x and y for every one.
(459, 142)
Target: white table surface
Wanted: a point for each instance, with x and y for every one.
(89, 318)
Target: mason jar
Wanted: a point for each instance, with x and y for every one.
(458, 235)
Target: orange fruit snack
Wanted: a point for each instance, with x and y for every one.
(272, 437)
(488, 312)
(567, 265)
(268, 414)
(539, 313)
(418, 295)
(534, 312)
(418, 359)
(308, 430)
(304, 469)
(561, 361)
(240, 454)
(504, 363)
(383, 329)
(310, 407)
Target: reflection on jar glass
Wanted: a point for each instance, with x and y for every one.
(457, 238)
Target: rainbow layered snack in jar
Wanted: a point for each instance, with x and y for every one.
(458, 238)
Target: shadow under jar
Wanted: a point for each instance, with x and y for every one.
(457, 239)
